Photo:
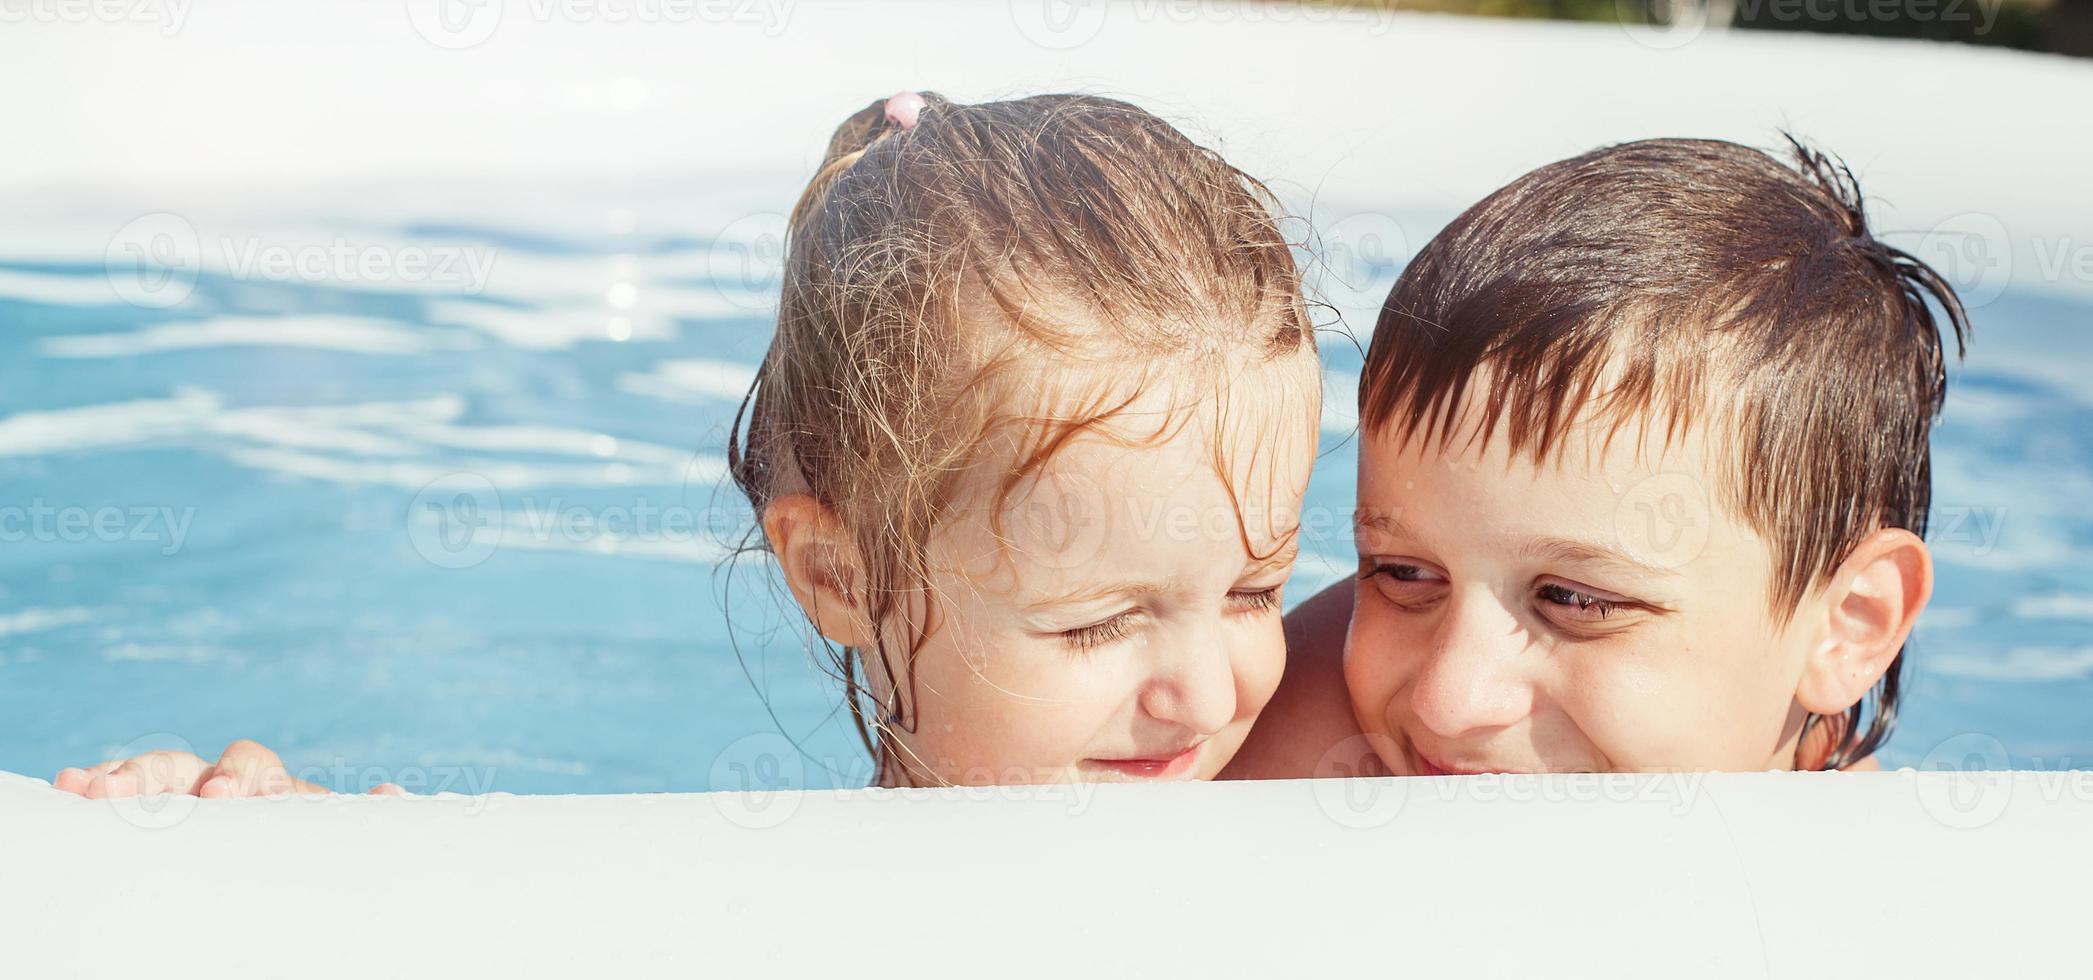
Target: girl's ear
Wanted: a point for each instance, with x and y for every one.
(1870, 606)
(820, 565)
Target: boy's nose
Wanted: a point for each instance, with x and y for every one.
(1195, 689)
(1472, 681)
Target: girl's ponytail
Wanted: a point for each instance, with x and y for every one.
(857, 134)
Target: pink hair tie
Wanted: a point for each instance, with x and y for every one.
(904, 108)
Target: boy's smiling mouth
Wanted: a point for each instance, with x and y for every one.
(1424, 765)
(1448, 764)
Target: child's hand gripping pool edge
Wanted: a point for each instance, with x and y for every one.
(245, 769)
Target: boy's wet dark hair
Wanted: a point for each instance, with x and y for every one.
(1691, 282)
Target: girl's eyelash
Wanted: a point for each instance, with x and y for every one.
(1117, 627)
(1257, 600)
(1099, 634)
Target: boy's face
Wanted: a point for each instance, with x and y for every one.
(1598, 612)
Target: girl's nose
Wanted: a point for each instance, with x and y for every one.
(1472, 681)
(1195, 689)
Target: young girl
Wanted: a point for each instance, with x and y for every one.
(1029, 447)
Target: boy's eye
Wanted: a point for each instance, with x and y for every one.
(1406, 573)
(1100, 633)
(1575, 606)
(1411, 586)
(1255, 600)
(1582, 601)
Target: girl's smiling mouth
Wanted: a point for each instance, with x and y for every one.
(1151, 767)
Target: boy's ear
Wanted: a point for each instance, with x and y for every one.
(820, 565)
(1870, 606)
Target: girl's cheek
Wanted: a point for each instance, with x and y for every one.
(1268, 658)
(1259, 669)
(1035, 678)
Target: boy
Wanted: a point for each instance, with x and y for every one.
(1643, 481)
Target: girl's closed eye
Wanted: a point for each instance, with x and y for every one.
(1118, 626)
(1254, 600)
(1108, 630)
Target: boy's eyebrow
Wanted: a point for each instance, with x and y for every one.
(1565, 550)
(1575, 552)
(1387, 524)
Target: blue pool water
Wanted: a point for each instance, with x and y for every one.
(230, 507)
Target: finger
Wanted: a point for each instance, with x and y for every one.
(147, 775)
(247, 768)
(227, 786)
(111, 785)
(75, 779)
(70, 780)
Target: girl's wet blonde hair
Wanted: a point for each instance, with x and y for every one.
(932, 269)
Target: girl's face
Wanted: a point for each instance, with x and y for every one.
(1123, 621)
